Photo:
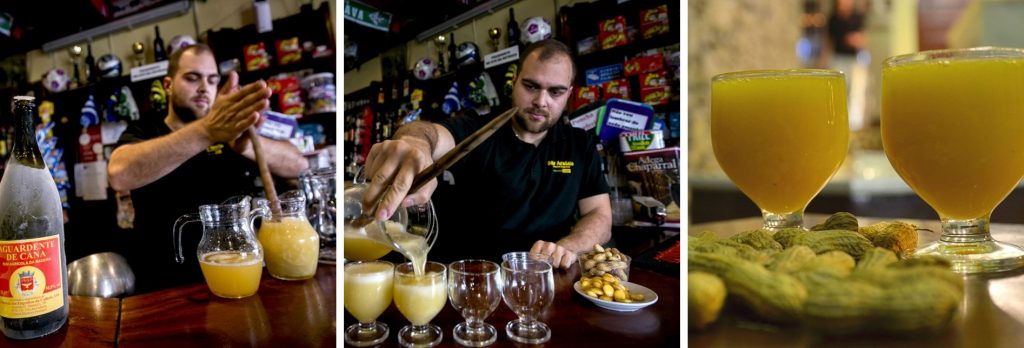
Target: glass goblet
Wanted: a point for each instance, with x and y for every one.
(528, 288)
(951, 127)
(368, 290)
(474, 291)
(780, 135)
(419, 298)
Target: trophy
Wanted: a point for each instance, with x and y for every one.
(439, 42)
(140, 53)
(495, 35)
(75, 52)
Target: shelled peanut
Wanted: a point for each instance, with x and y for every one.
(608, 288)
(601, 261)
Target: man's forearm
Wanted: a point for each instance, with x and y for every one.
(282, 157)
(135, 165)
(593, 228)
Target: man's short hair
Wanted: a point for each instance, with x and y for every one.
(546, 50)
(172, 65)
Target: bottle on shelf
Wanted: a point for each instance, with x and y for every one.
(513, 28)
(31, 238)
(158, 47)
(90, 65)
(451, 52)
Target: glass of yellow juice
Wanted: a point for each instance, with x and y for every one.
(952, 124)
(368, 292)
(780, 135)
(419, 298)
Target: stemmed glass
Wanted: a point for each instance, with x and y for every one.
(420, 298)
(528, 288)
(368, 290)
(474, 291)
(780, 135)
(952, 126)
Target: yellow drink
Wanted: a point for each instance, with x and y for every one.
(368, 289)
(232, 274)
(291, 248)
(364, 249)
(420, 298)
(954, 131)
(779, 135)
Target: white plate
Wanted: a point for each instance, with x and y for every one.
(649, 298)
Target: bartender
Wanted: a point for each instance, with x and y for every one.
(536, 184)
(198, 154)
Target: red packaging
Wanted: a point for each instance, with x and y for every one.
(291, 103)
(256, 57)
(612, 33)
(585, 95)
(644, 64)
(654, 95)
(654, 22)
(90, 145)
(654, 79)
(615, 89)
(288, 51)
(284, 83)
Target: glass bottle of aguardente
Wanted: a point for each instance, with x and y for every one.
(33, 268)
(291, 248)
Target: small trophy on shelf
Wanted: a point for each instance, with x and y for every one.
(495, 35)
(75, 52)
(439, 42)
(140, 53)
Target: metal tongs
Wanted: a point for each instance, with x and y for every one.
(443, 163)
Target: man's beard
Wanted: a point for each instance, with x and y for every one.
(523, 120)
(183, 111)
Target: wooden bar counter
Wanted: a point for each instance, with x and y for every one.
(991, 314)
(92, 322)
(281, 314)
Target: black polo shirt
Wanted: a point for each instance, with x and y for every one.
(209, 177)
(507, 194)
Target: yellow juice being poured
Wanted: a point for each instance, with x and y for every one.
(779, 134)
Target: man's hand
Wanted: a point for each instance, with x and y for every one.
(396, 162)
(561, 257)
(235, 109)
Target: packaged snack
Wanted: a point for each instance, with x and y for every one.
(290, 102)
(641, 140)
(654, 21)
(602, 74)
(654, 95)
(616, 89)
(256, 57)
(612, 33)
(584, 96)
(644, 64)
(654, 79)
(288, 51)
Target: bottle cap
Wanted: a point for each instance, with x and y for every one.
(24, 97)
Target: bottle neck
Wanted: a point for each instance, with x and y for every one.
(26, 151)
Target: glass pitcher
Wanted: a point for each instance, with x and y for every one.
(229, 255)
(292, 246)
(320, 190)
(410, 231)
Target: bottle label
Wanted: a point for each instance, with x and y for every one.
(30, 277)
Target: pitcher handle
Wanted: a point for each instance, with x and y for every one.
(260, 211)
(178, 225)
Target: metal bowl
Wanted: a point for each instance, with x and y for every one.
(101, 275)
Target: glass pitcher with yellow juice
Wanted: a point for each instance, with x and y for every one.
(291, 244)
(410, 230)
(952, 124)
(229, 255)
(780, 135)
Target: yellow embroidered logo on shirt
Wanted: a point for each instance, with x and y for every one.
(564, 167)
(215, 149)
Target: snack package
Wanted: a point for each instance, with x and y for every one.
(283, 83)
(599, 75)
(584, 96)
(290, 102)
(644, 64)
(654, 95)
(256, 57)
(612, 33)
(654, 21)
(615, 89)
(288, 51)
(654, 79)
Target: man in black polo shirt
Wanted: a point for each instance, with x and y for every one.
(198, 154)
(535, 184)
